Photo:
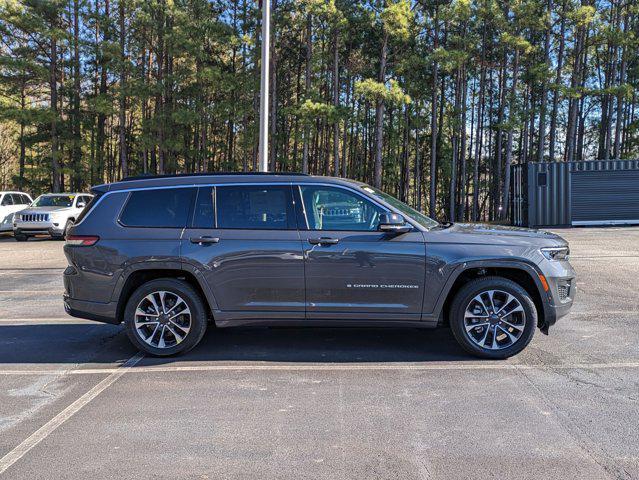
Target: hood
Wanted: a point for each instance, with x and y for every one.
(498, 234)
(44, 209)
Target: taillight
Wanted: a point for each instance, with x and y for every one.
(82, 240)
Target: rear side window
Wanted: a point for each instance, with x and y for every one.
(6, 200)
(259, 207)
(162, 208)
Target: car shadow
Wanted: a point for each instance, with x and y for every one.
(99, 343)
(327, 345)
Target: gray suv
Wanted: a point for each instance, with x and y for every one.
(166, 255)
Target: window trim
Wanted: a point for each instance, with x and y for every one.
(128, 191)
(132, 191)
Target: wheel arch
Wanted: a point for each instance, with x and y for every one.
(143, 274)
(521, 272)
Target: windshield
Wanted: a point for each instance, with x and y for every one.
(406, 210)
(53, 201)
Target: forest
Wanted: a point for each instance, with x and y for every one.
(431, 100)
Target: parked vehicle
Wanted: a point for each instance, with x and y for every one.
(166, 254)
(51, 214)
(10, 203)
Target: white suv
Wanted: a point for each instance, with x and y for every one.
(10, 203)
(52, 214)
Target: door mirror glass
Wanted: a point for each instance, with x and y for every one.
(393, 223)
(81, 204)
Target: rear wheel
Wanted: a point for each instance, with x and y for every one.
(165, 317)
(493, 317)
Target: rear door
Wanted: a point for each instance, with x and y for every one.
(354, 271)
(243, 239)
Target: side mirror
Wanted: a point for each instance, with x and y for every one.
(81, 204)
(393, 223)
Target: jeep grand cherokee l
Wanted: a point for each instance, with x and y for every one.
(167, 254)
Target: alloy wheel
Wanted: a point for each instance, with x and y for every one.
(162, 319)
(494, 319)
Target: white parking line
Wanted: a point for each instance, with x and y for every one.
(43, 432)
(326, 367)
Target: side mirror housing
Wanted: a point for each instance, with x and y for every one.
(81, 204)
(393, 223)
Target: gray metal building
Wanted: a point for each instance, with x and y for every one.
(563, 194)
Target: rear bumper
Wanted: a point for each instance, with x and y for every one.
(100, 312)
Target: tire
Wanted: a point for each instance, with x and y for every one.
(67, 226)
(20, 237)
(172, 346)
(512, 337)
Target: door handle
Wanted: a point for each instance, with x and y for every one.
(323, 241)
(204, 239)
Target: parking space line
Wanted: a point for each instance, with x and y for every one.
(326, 367)
(43, 432)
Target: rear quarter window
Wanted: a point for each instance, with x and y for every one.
(85, 211)
(161, 208)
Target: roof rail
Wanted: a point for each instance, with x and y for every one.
(179, 175)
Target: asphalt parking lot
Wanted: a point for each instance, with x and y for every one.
(77, 401)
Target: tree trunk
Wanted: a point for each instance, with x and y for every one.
(509, 145)
(122, 114)
(379, 116)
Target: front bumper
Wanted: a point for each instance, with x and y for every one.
(38, 228)
(559, 298)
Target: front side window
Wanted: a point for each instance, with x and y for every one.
(161, 208)
(406, 210)
(330, 208)
(259, 207)
(53, 201)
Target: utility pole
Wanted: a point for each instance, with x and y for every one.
(264, 84)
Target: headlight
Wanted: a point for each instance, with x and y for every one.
(556, 253)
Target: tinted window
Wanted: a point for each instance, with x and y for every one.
(17, 199)
(330, 208)
(168, 208)
(24, 200)
(204, 213)
(255, 207)
(6, 200)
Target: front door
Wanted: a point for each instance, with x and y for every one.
(243, 239)
(354, 271)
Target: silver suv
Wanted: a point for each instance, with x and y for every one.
(51, 214)
(165, 255)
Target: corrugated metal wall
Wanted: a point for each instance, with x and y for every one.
(543, 193)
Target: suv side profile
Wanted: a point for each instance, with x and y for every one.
(166, 255)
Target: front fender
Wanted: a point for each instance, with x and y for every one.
(514, 264)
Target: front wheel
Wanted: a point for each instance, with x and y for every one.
(20, 237)
(493, 317)
(165, 317)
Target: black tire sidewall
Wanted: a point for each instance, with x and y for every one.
(20, 237)
(192, 299)
(473, 288)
